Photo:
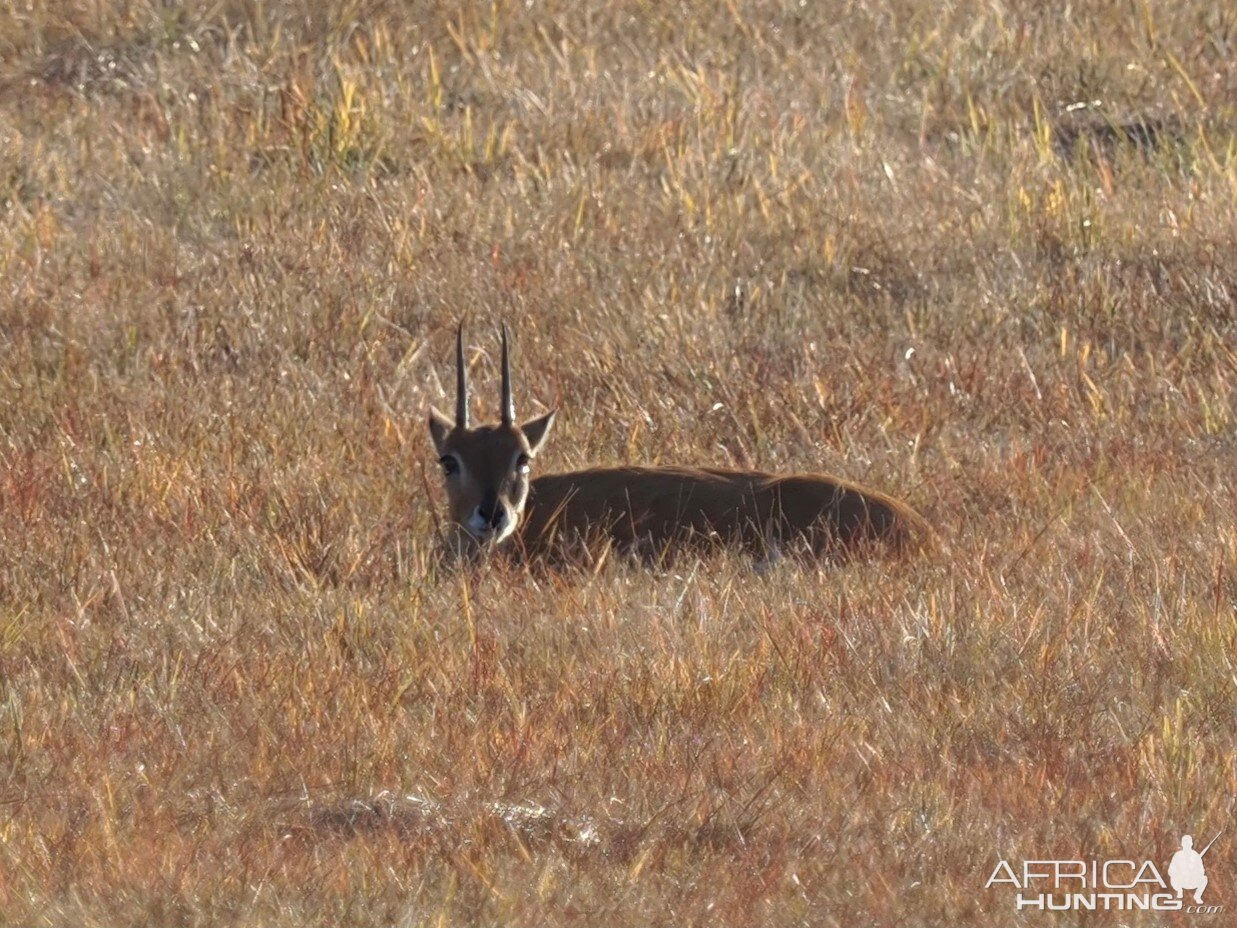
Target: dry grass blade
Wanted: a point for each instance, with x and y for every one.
(980, 255)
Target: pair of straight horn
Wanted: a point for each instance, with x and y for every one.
(507, 410)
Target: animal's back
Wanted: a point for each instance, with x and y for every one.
(636, 508)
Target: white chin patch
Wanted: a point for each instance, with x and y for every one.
(479, 529)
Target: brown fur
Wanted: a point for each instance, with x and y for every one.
(487, 460)
(651, 511)
(655, 510)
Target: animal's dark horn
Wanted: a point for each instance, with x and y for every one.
(461, 381)
(508, 407)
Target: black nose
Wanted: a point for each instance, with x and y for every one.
(494, 517)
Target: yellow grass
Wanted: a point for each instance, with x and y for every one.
(235, 238)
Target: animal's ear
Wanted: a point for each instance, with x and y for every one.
(440, 428)
(536, 430)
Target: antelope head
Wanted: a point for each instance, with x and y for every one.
(486, 469)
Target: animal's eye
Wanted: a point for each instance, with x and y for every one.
(450, 465)
(522, 464)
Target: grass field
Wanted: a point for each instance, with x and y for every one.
(980, 255)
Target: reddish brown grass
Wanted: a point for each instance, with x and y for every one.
(234, 240)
